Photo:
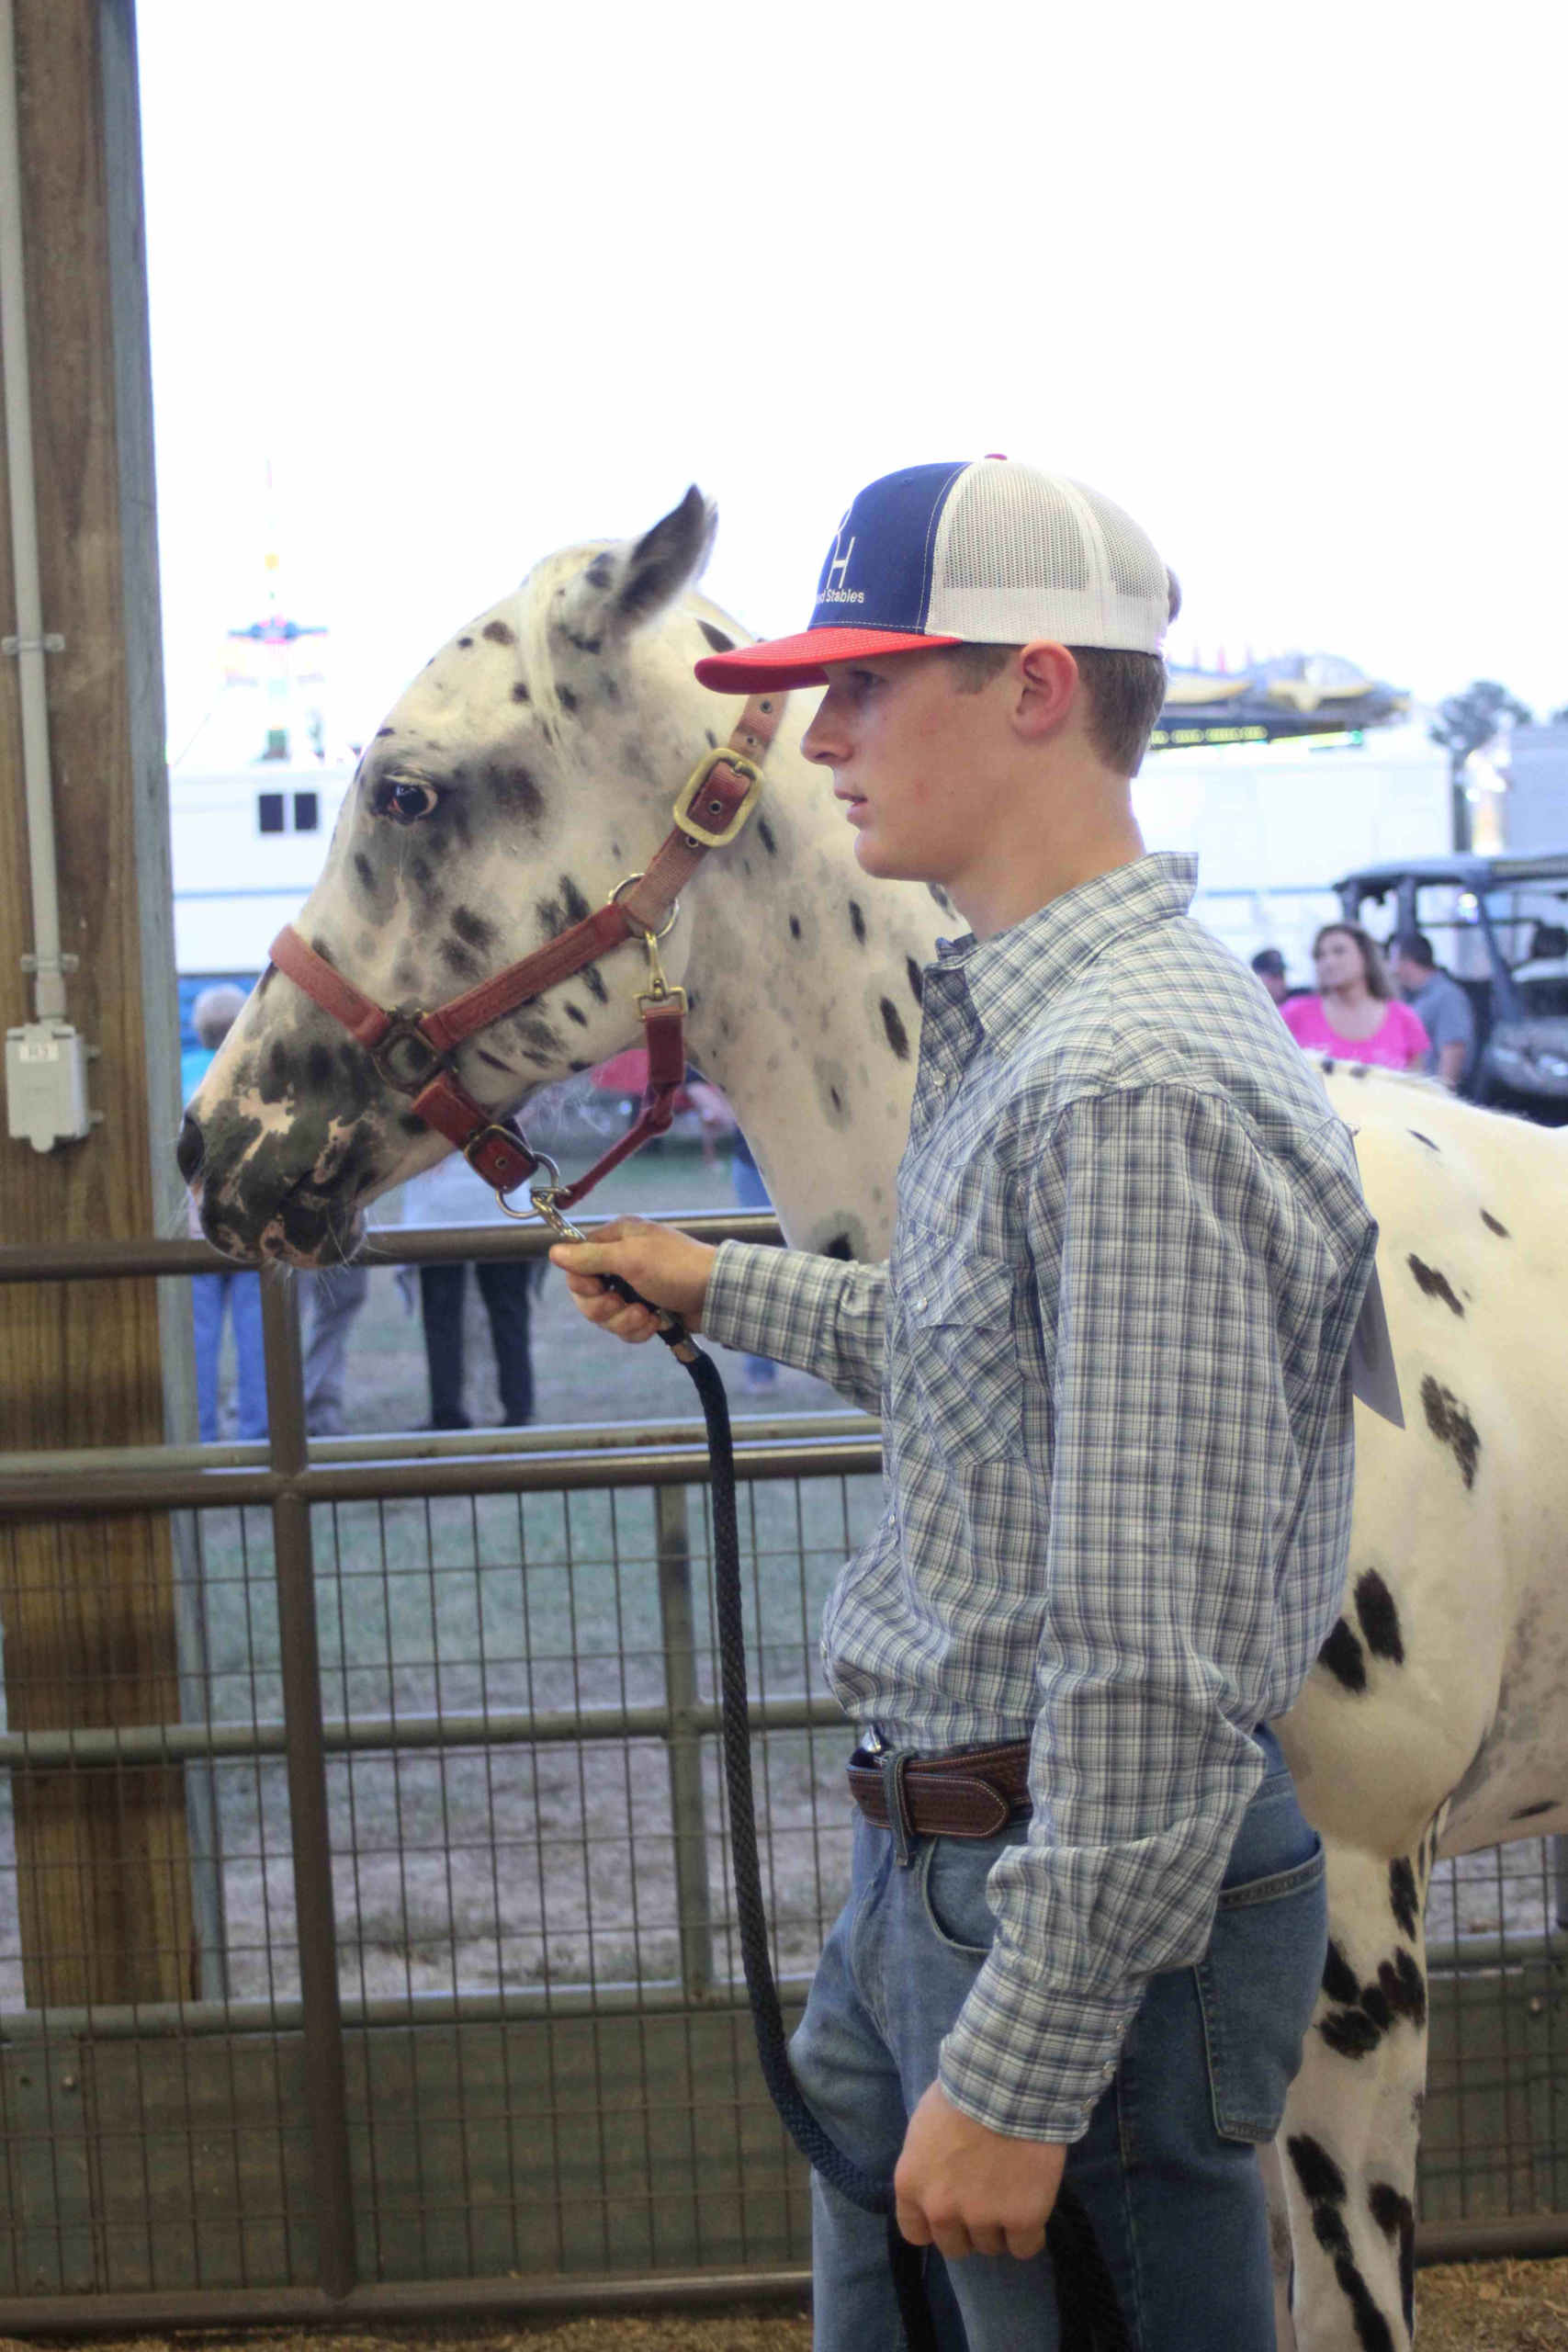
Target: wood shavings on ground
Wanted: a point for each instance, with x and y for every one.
(1493, 2307)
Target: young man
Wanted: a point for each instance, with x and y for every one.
(1087, 1926)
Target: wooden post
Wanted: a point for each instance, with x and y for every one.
(88, 1609)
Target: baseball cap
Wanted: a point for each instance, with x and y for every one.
(989, 553)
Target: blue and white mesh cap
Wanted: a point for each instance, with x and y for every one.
(991, 553)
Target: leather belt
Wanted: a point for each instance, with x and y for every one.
(971, 1796)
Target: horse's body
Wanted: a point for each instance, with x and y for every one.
(531, 767)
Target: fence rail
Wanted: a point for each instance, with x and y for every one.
(458, 2023)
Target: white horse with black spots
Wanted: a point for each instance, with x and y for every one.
(531, 767)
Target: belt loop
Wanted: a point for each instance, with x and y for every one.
(891, 1763)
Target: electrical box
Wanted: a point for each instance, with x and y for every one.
(46, 1084)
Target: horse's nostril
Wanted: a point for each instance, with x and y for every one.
(188, 1150)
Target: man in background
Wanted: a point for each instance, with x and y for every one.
(1441, 1005)
(1269, 966)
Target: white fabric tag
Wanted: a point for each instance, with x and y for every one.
(1374, 1378)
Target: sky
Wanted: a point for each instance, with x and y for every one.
(485, 281)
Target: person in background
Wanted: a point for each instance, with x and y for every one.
(1355, 1014)
(333, 1298)
(213, 1014)
(450, 1193)
(1440, 1005)
(1269, 966)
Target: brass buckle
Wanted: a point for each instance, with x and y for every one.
(691, 825)
(404, 1032)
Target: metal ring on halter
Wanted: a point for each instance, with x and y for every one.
(527, 1216)
(614, 899)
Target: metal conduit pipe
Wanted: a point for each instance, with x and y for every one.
(45, 1065)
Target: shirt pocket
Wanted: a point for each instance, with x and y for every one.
(959, 1310)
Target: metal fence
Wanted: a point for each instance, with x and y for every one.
(365, 1922)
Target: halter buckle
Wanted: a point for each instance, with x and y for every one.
(697, 823)
(404, 1056)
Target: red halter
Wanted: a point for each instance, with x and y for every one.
(413, 1050)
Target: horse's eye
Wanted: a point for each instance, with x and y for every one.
(409, 802)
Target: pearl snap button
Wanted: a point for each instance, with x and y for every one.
(919, 1306)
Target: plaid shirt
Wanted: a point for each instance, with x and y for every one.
(1109, 1351)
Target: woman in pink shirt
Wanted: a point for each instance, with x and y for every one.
(1355, 1016)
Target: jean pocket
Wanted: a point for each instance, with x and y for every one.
(1258, 1984)
(954, 1875)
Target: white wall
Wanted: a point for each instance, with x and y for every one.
(236, 886)
(1273, 826)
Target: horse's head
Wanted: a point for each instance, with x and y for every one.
(528, 769)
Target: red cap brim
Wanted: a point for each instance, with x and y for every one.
(802, 660)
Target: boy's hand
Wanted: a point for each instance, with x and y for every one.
(971, 2190)
(667, 1267)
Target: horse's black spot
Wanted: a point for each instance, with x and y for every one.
(582, 644)
(410, 1125)
(577, 907)
(465, 642)
(459, 960)
(1342, 1655)
(1451, 1424)
(833, 1096)
(837, 1247)
(601, 572)
(1326, 1066)
(1374, 2004)
(765, 835)
(1399, 1982)
(1348, 2033)
(594, 981)
(495, 1063)
(575, 1012)
(1380, 1618)
(916, 978)
(717, 638)
(515, 790)
(1396, 2217)
(898, 1037)
(380, 731)
(1432, 1283)
(1339, 1979)
(519, 691)
(857, 922)
(608, 687)
(460, 825)
(566, 699)
(500, 632)
(1321, 2178)
(1527, 1812)
(366, 872)
(712, 739)
(577, 1067)
(794, 926)
(1372, 2331)
(1490, 1222)
(940, 894)
(1421, 1138)
(319, 1068)
(1402, 1896)
(473, 928)
(323, 951)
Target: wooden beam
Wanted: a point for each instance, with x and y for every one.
(89, 1612)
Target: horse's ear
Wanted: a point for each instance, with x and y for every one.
(625, 586)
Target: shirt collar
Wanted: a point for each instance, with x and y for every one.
(1010, 975)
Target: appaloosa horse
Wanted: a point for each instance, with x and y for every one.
(528, 770)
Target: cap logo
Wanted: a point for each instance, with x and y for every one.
(834, 591)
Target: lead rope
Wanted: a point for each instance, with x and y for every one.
(1090, 2317)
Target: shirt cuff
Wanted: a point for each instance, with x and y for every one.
(1029, 2060)
(778, 1303)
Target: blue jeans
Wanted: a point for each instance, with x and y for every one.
(1167, 2171)
(242, 1294)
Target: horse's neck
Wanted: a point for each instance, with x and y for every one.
(802, 1033)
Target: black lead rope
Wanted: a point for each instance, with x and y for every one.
(1090, 2317)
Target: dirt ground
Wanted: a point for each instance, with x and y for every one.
(1468, 2307)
